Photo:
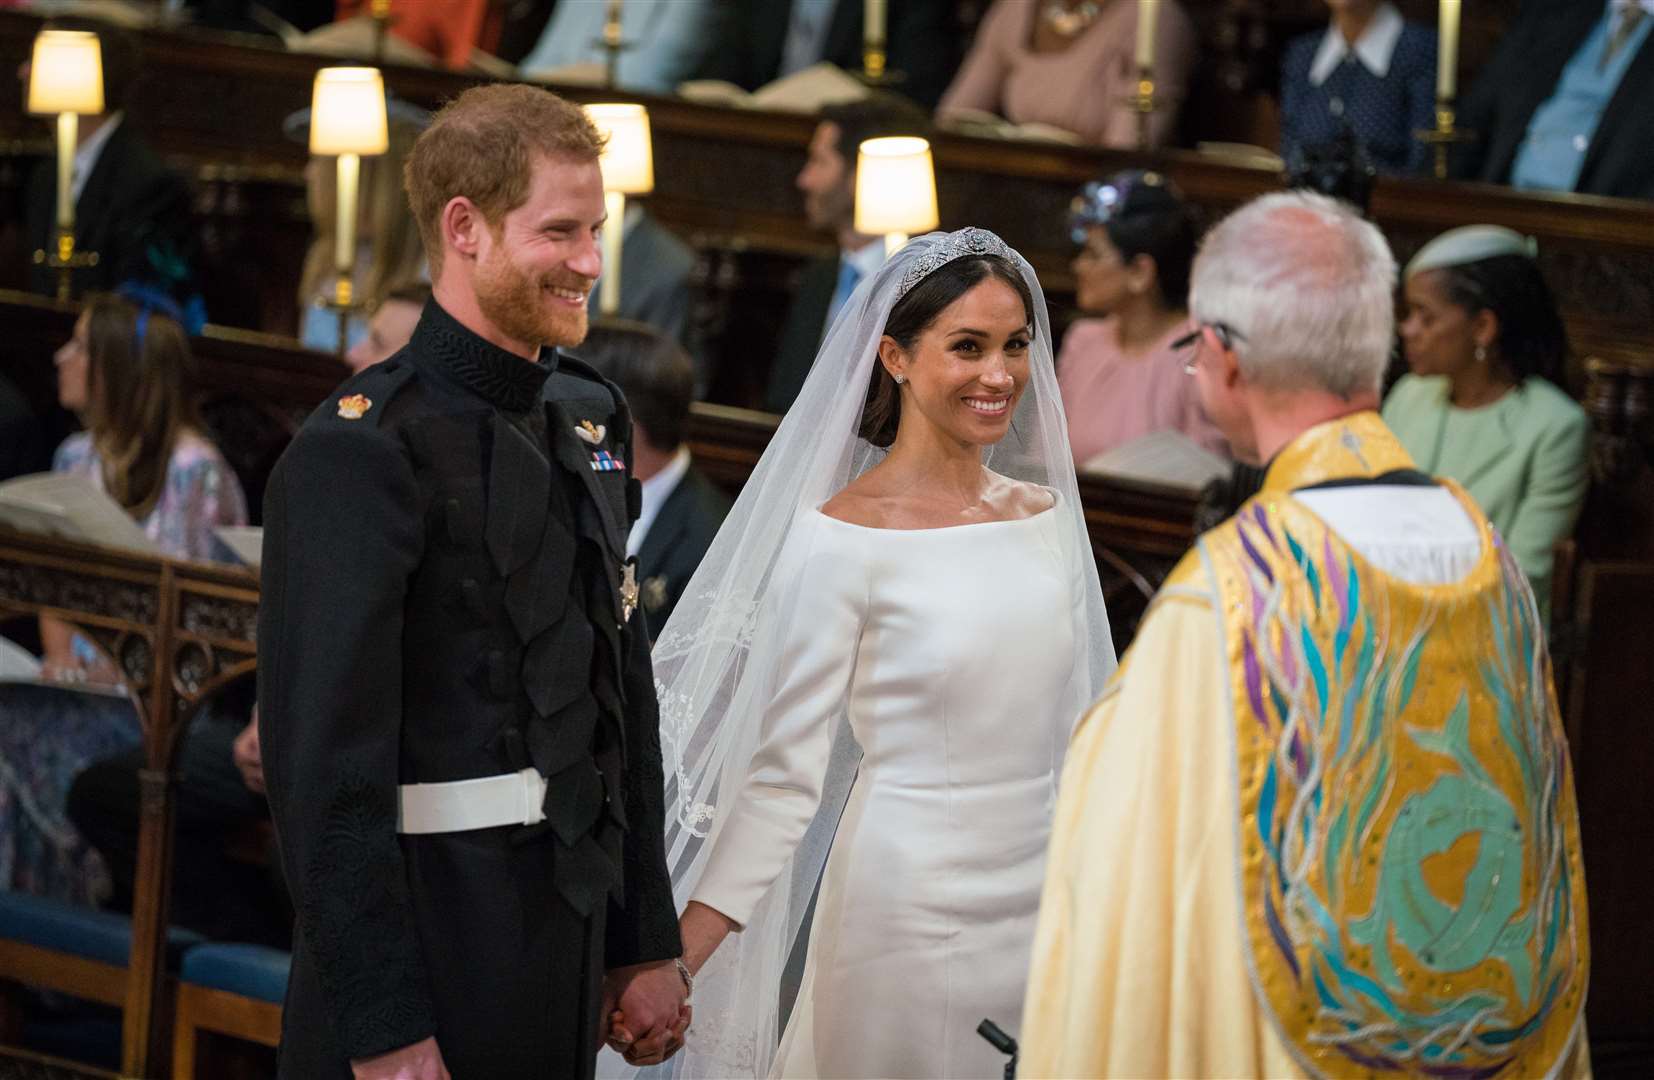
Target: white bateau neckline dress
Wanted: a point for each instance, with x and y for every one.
(953, 650)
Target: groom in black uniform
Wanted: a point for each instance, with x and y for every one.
(460, 731)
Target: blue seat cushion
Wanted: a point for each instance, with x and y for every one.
(67, 928)
(254, 971)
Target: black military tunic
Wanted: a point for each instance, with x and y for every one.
(444, 599)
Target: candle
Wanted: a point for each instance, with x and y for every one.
(873, 12)
(67, 126)
(344, 229)
(1447, 53)
(614, 229)
(1148, 13)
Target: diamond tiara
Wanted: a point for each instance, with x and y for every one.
(956, 245)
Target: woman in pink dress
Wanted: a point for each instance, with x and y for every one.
(1119, 375)
(1072, 64)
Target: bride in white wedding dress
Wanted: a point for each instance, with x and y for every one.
(871, 684)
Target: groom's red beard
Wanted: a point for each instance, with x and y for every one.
(519, 303)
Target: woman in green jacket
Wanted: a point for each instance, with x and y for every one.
(1484, 404)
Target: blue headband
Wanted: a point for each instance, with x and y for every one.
(191, 316)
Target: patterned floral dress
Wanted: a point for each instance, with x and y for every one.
(48, 734)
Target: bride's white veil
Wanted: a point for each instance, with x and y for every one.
(716, 662)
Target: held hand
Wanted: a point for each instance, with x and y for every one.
(652, 1014)
(418, 1061)
(652, 1049)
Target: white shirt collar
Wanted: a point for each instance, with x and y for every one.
(656, 490)
(86, 155)
(1374, 48)
(866, 260)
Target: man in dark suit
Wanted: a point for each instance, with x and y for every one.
(682, 509)
(828, 182)
(759, 41)
(1563, 104)
(657, 271)
(457, 714)
(130, 209)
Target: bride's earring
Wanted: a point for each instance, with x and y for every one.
(900, 379)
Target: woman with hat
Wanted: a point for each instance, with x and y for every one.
(1119, 375)
(1484, 405)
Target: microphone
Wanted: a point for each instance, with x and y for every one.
(1002, 1042)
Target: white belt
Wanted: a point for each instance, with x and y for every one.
(458, 806)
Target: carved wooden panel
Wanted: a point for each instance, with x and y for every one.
(29, 584)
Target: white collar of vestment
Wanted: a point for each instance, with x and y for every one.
(1374, 48)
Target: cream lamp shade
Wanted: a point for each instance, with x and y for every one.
(895, 187)
(347, 112)
(66, 73)
(628, 160)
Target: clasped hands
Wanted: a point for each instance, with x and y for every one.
(646, 1012)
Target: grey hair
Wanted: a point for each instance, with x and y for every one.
(1308, 285)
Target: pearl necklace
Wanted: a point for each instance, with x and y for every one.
(1067, 22)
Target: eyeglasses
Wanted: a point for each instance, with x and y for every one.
(1225, 334)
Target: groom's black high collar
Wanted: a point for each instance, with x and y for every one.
(502, 378)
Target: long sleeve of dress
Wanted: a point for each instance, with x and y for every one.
(1138, 964)
(343, 533)
(817, 625)
(1551, 501)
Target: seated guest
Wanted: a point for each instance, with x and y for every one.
(387, 240)
(1119, 375)
(392, 325)
(1369, 73)
(681, 508)
(759, 41)
(449, 30)
(125, 373)
(666, 41)
(130, 209)
(828, 182)
(657, 272)
(1072, 64)
(219, 801)
(1563, 103)
(1484, 404)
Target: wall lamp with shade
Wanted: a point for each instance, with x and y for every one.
(895, 189)
(66, 78)
(628, 165)
(347, 121)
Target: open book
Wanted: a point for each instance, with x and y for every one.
(803, 91)
(1168, 458)
(990, 126)
(70, 507)
(353, 39)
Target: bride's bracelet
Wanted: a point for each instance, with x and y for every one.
(688, 979)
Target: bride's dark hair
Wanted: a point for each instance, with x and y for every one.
(913, 315)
